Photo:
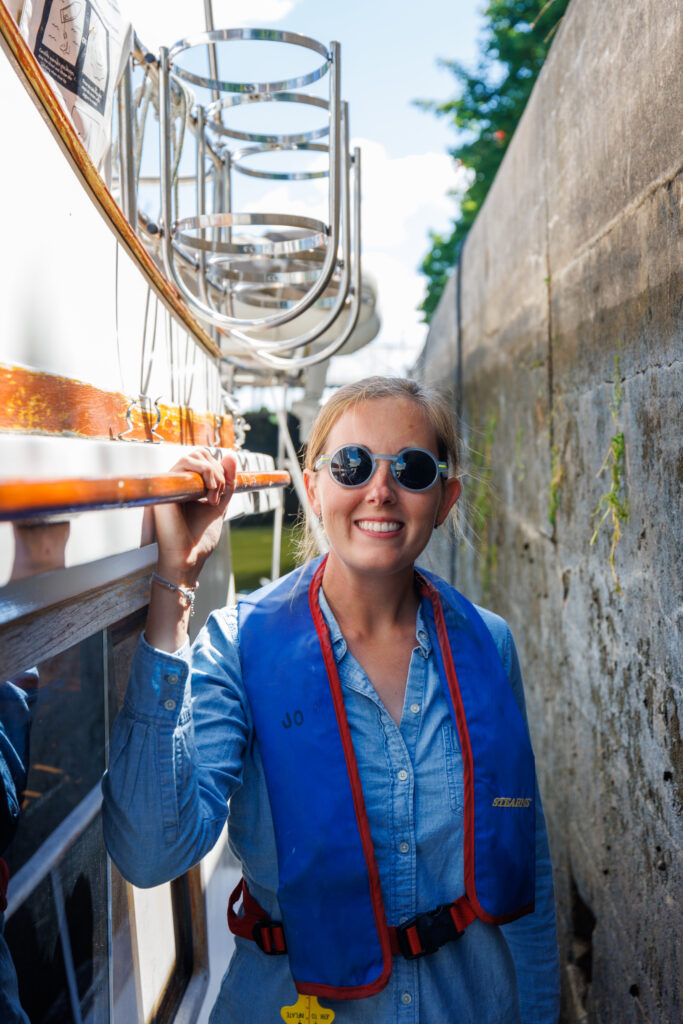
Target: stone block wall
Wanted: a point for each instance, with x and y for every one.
(567, 342)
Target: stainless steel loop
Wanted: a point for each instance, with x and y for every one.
(214, 235)
(308, 147)
(263, 271)
(261, 244)
(214, 109)
(228, 35)
(146, 405)
(282, 295)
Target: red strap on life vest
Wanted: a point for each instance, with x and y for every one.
(422, 934)
(255, 924)
(4, 881)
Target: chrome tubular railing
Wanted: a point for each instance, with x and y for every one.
(250, 276)
(318, 235)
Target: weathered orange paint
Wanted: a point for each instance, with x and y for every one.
(32, 402)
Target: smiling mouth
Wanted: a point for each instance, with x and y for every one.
(379, 526)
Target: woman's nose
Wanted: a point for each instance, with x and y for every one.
(382, 486)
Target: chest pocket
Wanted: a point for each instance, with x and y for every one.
(453, 759)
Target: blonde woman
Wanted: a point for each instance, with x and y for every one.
(366, 724)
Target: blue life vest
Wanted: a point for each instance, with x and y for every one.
(329, 888)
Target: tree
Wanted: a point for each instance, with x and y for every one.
(485, 111)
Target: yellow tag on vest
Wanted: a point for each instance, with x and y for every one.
(307, 1010)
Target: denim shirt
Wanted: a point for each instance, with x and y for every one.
(183, 745)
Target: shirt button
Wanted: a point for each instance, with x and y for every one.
(169, 705)
(404, 847)
(172, 678)
(415, 708)
(403, 774)
(406, 998)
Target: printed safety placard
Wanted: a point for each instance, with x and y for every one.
(82, 46)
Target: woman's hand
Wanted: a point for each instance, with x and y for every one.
(187, 532)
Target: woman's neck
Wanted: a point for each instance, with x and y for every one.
(363, 604)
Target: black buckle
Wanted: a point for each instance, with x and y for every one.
(434, 929)
(266, 925)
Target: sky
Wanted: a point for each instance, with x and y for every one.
(389, 59)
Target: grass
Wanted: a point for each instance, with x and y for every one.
(252, 549)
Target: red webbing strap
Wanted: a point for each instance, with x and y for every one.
(272, 939)
(462, 914)
(253, 921)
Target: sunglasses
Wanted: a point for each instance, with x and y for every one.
(353, 465)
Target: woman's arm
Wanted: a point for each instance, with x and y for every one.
(176, 747)
(176, 754)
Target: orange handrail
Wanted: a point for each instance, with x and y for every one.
(22, 499)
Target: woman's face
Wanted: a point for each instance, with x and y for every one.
(352, 517)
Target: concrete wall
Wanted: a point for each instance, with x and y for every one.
(570, 331)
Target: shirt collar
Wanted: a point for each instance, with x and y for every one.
(339, 643)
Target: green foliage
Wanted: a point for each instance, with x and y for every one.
(519, 456)
(489, 102)
(614, 504)
(556, 479)
(482, 504)
(252, 551)
(262, 437)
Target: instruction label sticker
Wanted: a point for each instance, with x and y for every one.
(307, 1010)
(82, 46)
(72, 45)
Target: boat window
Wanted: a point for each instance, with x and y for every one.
(103, 951)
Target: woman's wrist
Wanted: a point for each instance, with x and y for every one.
(167, 619)
(185, 576)
(187, 594)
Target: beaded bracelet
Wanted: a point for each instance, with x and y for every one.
(189, 593)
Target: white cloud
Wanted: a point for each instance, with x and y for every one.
(181, 19)
(405, 196)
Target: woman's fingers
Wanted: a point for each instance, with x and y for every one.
(211, 470)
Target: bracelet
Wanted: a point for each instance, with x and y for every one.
(189, 593)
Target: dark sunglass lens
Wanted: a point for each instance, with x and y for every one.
(415, 470)
(351, 466)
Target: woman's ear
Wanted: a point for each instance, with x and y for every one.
(449, 496)
(311, 484)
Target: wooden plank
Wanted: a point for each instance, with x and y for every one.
(19, 54)
(45, 403)
(45, 632)
(22, 499)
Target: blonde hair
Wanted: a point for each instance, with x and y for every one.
(431, 402)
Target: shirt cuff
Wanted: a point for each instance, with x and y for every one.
(159, 681)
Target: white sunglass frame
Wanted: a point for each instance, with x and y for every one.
(440, 467)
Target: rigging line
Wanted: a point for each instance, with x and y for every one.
(154, 344)
(171, 360)
(143, 102)
(188, 371)
(116, 314)
(144, 382)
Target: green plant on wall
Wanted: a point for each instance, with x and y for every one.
(481, 504)
(556, 479)
(613, 506)
(519, 456)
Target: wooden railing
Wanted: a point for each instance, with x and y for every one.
(22, 499)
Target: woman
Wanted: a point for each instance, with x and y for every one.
(367, 725)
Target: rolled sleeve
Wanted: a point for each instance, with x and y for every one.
(176, 753)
